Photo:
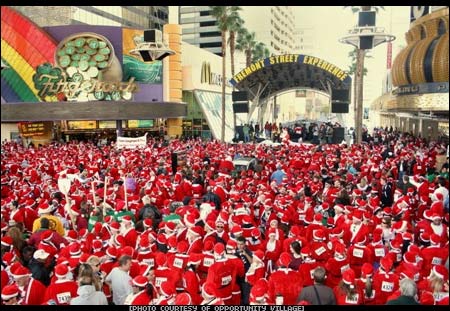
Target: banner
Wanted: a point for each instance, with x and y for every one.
(131, 142)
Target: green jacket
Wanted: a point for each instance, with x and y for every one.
(403, 300)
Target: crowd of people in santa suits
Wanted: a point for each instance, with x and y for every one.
(131, 228)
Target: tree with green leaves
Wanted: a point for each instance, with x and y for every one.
(246, 43)
(260, 52)
(235, 27)
(225, 16)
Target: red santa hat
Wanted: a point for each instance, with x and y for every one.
(61, 271)
(231, 245)
(168, 289)
(75, 250)
(219, 249)
(258, 293)
(147, 222)
(170, 226)
(339, 249)
(318, 235)
(357, 214)
(114, 226)
(259, 255)
(386, 263)
(195, 258)
(8, 258)
(208, 246)
(10, 291)
(348, 277)
(97, 245)
(20, 272)
(285, 259)
(183, 299)
(196, 231)
(7, 241)
(366, 270)
(127, 219)
(409, 257)
(140, 281)
(441, 272)
(236, 230)
(182, 247)
(44, 208)
(318, 218)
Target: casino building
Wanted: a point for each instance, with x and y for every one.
(72, 81)
(419, 102)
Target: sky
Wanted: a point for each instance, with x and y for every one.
(331, 23)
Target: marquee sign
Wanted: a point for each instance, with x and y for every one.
(83, 60)
(291, 58)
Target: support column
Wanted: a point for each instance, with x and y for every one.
(175, 79)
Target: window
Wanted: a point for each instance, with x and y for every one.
(211, 45)
(210, 23)
(210, 34)
(423, 33)
(205, 13)
(441, 27)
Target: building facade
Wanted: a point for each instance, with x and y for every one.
(140, 17)
(199, 28)
(419, 100)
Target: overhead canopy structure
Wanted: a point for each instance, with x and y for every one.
(278, 73)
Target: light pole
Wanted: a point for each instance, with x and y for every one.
(364, 36)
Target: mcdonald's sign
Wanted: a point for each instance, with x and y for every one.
(206, 73)
(209, 77)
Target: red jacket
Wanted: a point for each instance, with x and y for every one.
(286, 282)
(61, 291)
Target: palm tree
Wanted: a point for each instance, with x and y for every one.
(246, 43)
(225, 16)
(359, 78)
(235, 27)
(260, 52)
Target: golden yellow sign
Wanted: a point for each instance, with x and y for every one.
(289, 58)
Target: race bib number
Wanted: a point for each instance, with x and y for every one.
(387, 286)
(178, 263)
(63, 298)
(344, 268)
(399, 257)
(149, 261)
(352, 300)
(159, 280)
(207, 262)
(320, 251)
(379, 252)
(359, 253)
(436, 261)
(226, 280)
